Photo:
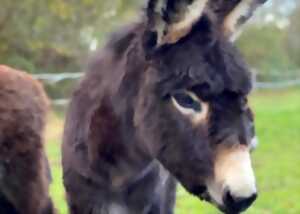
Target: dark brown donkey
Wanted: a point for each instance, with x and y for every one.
(24, 170)
(165, 101)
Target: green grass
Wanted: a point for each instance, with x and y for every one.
(276, 161)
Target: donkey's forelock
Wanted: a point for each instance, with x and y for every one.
(203, 60)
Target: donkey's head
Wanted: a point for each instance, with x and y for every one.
(192, 109)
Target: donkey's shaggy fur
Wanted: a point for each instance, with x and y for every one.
(24, 170)
(123, 129)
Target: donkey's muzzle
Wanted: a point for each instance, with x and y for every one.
(236, 205)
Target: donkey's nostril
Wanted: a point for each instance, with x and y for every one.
(237, 204)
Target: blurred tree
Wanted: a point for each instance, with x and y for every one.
(264, 49)
(293, 37)
(275, 10)
(53, 35)
(264, 40)
(57, 35)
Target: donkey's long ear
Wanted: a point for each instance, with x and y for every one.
(170, 20)
(232, 14)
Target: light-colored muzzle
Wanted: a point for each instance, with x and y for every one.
(233, 186)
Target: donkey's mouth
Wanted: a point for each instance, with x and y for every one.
(205, 196)
(229, 211)
(226, 210)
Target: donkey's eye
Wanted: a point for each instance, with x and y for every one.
(191, 106)
(187, 100)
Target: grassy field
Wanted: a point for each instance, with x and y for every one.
(276, 161)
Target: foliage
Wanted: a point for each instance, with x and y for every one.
(264, 49)
(276, 160)
(57, 35)
(293, 38)
(53, 35)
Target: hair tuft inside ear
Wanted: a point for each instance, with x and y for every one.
(173, 19)
(150, 40)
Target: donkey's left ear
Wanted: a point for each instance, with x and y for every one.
(171, 20)
(233, 14)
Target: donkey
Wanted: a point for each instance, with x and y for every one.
(24, 169)
(164, 101)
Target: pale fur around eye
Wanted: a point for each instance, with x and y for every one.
(196, 115)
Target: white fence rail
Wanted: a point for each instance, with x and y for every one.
(56, 78)
(277, 85)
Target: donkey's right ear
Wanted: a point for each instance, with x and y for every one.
(233, 14)
(170, 20)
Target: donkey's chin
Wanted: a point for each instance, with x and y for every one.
(206, 197)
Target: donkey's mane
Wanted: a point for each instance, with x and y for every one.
(121, 39)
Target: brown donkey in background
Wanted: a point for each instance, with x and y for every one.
(24, 169)
(165, 101)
